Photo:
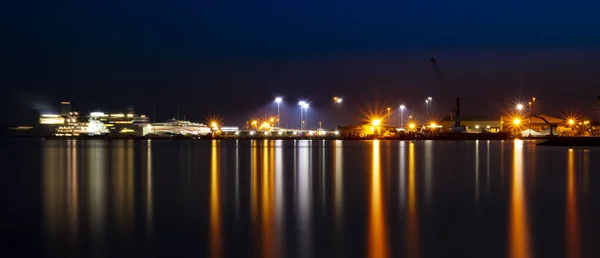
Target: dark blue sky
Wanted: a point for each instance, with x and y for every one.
(231, 57)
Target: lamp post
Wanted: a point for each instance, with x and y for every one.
(427, 106)
(529, 126)
(402, 116)
(388, 112)
(337, 101)
(430, 102)
(305, 106)
(301, 104)
(278, 101)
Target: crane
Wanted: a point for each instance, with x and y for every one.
(457, 127)
(551, 125)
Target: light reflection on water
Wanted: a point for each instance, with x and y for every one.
(378, 237)
(519, 237)
(309, 198)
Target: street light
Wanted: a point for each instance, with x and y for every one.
(519, 106)
(402, 107)
(427, 106)
(337, 101)
(278, 101)
(388, 114)
(430, 102)
(301, 104)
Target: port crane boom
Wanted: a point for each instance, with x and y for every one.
(457, 127)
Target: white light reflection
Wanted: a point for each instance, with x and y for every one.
(279, 197)
(488, 168)
(237, 180)
(304, 198)
(477, 170)
(339, 196)
(402, 174)
(323, 179)
(428, 171)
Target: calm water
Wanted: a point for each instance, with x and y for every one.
(299, 199)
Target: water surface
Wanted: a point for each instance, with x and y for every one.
(299, 199)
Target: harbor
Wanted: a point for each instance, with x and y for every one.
(69, 123)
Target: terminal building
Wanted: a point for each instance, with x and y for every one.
(476, 124)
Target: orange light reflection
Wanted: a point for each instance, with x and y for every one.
(215, 204)
(519, 225)
(377, 245)
(572, 219)
(412, 220)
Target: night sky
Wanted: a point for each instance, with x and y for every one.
(231, 58)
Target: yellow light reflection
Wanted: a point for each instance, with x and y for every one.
(412, 218)
(572, 230)
(215, 204)
(54, 194)
(253, 186)
(149, 208)
(377, 244)
(73, 190)
(97, 195)
(267, 204)
(519, 239)
(338, 192)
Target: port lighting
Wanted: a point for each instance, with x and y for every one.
(519, 107)
(251, 132)
(336, 132)
(97, 114)
(476, 126)
(117, 115)
(49, 115)
(517, 121)
(433, 125)
(571, 121)
(376, 122)
(278, 100)
(412, 126)
(129, 115)
(280, 133)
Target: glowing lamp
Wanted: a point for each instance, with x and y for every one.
(517, 121)
(376, 122)
(519, 107)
